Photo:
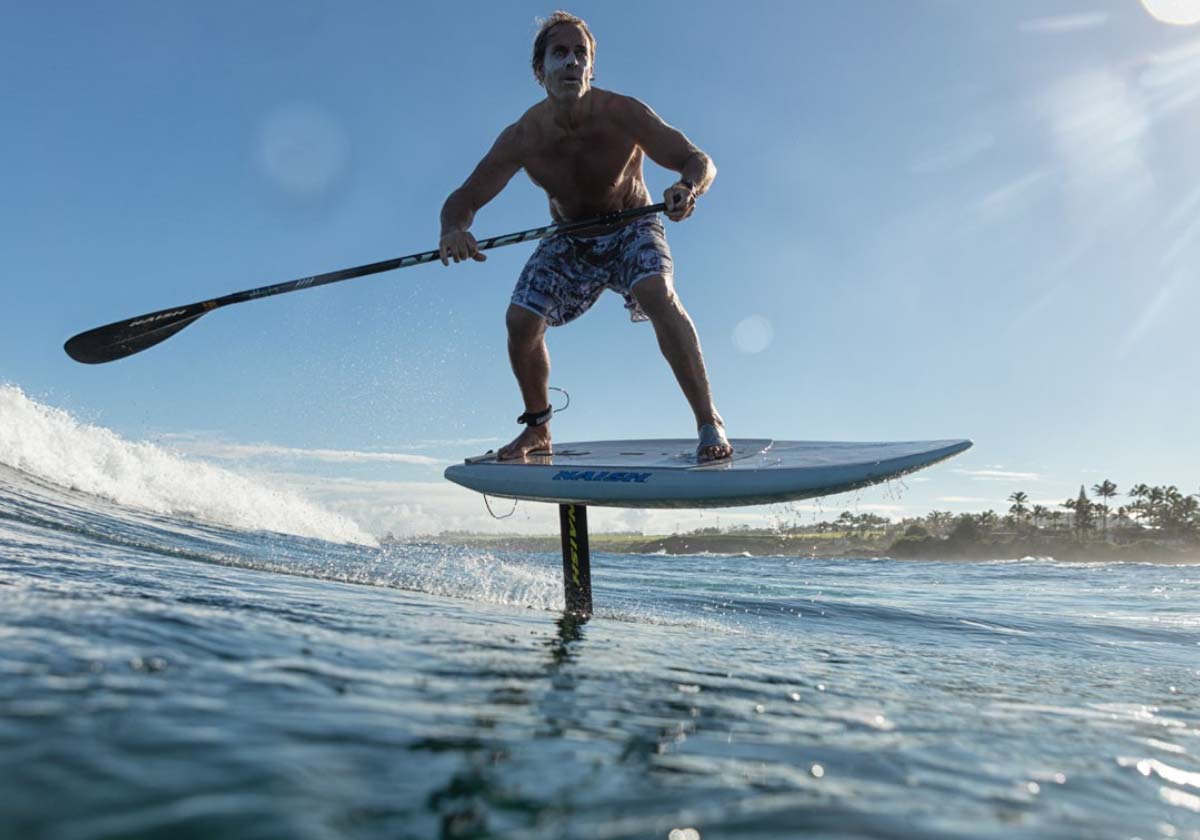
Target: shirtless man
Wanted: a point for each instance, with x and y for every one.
(584, 146)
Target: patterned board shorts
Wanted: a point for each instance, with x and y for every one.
(566, 274)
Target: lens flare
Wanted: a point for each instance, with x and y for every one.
(303, 150)
(753, 335)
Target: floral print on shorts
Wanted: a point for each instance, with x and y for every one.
(566, 274)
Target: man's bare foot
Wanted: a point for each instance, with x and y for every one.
(713, 446)
(533, 440)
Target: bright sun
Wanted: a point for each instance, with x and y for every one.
(1178, 12)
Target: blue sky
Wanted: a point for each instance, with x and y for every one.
(931, 219)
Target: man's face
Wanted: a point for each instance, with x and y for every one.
(567, 65)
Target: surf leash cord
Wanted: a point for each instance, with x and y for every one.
(124, 338)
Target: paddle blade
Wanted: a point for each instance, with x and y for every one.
(124, 338)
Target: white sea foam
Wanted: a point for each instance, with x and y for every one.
(52, 445)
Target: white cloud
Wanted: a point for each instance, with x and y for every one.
(1065, 23)
(224, 450)
(1050, 503)
(999, 475)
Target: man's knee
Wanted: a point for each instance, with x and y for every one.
(656, 296)
(523, 326)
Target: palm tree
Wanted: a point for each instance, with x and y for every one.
(1039, 513)
(1105, 490)
(1056, 516)
(1190, 515)
(1176, 510)
(938, 521)
(1018, 499)
(1139, 507)
(846, 522)
(1082, 508)
(1156, 504)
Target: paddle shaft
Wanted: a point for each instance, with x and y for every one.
(430, 256)
(124, 338)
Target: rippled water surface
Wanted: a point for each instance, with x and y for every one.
(161, 678)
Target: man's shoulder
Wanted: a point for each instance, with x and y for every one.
(517, 136)
(532, 113)
(621, 107)
(529, 124)
(615, 103)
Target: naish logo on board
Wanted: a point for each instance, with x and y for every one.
(601, 475)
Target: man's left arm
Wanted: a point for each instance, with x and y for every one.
(669, 148)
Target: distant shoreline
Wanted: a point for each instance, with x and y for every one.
(1160, 524)
(827, 546)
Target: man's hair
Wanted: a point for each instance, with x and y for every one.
(539, 43)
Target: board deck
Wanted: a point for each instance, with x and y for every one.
(664, 473)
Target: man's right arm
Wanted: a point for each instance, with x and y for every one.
(496, 169)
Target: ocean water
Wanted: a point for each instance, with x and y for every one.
(173, 665)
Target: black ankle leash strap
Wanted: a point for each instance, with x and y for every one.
(537, 418)
(541, 418)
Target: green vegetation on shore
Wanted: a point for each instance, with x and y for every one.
(1157, 524)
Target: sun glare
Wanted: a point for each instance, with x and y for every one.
(1175, 12)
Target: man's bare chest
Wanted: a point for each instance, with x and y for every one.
(596, 159)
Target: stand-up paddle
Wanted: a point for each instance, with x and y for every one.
(124, 338)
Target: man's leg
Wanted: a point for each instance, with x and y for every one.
(531, 364)
(681, 348)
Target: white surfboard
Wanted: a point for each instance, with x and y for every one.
(664, 473)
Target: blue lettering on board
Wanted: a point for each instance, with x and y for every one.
(601, 475)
